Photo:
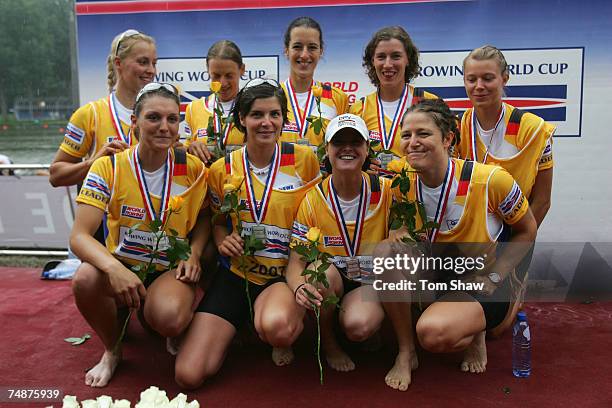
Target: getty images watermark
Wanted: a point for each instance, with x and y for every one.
(410, 265)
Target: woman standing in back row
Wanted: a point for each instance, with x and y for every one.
(225, 66)
(391, 61)
(304, 48)
(495, 132)
(102, 127)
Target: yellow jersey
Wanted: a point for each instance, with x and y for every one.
(333, 102)
(112, 185)
(280, 204)
(530, 136)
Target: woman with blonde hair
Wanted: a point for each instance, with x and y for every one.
(101, 128)
(495, 132)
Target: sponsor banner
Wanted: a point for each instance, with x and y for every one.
(547, 82)
(191, 76)
(277, 240)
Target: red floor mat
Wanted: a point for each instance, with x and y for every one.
(571, 355)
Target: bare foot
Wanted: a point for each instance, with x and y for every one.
(102, 372)
(337, 358)
(399, 377)
(282, 356)
(475, 356)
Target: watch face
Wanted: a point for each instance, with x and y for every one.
(495, 278)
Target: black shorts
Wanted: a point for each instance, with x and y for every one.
(227, 299)
(494, 307)
(348, 284)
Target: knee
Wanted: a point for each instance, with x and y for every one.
(279, 330)
(188, 379)
(86, 279)
(434, 336)
(357, 329)
(170, 320)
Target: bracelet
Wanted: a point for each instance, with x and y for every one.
(298, 288)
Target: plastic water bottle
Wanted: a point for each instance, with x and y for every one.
(521, 347)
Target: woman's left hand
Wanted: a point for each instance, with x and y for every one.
(189, 271)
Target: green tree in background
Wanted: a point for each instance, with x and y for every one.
(34, 49)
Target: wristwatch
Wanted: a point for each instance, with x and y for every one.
(494, 277)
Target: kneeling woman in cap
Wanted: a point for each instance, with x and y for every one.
(351, 208)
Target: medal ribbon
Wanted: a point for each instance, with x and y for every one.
(351, 247)
(300, 118)
(117, 122)
(447, 186)
(388, 138)
(473, 135)
(259, 212)
(144, 189)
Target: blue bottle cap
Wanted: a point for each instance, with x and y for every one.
(521, 316)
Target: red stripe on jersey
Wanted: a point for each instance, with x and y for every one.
(375, 197)
(180, 169)
(228, 168)
(512, 129)
(287, 159)
(462, 188)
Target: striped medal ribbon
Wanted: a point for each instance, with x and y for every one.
(117, 122)
(388, 138)
(258, 212)
(299, 115)
(144, 189)
(351, 246)
(447, 186)
(474, 136)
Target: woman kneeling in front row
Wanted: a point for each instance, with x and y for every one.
(469, 202)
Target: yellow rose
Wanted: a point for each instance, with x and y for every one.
(235, 180)
(395, 166)
(176, 202)
(229, 188)
(215, 86)
(317, 91)
(313, 234)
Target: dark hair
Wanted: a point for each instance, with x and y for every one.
(163, 92)
(386, 34)
(247, 96)
(307, 22)
(227, 50)
(441, 114)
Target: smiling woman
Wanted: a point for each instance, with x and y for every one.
(135, 188)
(391, 61)
(268, 179)
(102, 127)
(303, 48)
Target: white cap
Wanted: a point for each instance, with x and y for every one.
(344, 121)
